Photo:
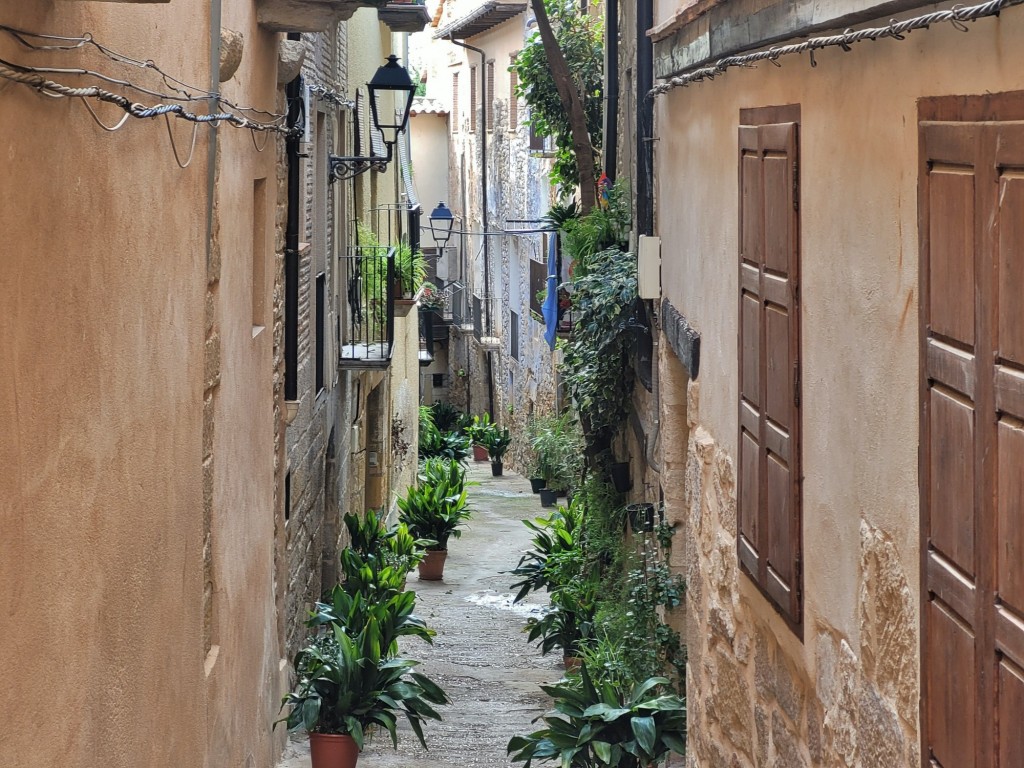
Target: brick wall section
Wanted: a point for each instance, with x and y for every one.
(311, 529)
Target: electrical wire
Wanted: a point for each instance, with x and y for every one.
(181, 91)
(896, 30)
(134, 109)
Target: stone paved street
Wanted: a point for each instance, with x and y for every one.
(480, 655)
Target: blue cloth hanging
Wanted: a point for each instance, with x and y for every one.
(550, 308)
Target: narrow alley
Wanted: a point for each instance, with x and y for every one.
(480, 655)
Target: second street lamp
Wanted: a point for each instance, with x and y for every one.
(441, 221)
(391, 78)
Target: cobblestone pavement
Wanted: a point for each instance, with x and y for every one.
(480, 655)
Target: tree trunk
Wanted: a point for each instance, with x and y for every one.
(572, 103)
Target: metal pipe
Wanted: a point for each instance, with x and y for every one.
(644, 119)
(293, 94)
(611, 88)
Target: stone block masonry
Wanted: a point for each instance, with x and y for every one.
(757, 697)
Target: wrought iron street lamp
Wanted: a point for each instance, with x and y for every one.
(441, 221)
(390, 79)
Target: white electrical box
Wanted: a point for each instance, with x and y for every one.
(648, 267)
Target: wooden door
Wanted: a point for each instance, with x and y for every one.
(972, 433)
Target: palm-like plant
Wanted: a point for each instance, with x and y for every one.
(496, 441)
(348, 684)
(554, 538)
(437, 508)
(606, 726)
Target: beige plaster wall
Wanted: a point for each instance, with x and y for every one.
(102, 347)
(245, 661)
(429, 142)
(858, 169)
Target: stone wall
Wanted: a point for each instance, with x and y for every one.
(757, 696)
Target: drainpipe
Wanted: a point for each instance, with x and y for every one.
(645, 188)
(644, 118)
(484, 218)
(611, 88)
(293, 93)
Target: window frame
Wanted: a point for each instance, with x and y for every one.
(769, 539)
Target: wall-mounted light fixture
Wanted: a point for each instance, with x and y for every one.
(441, 221)
(392, 78)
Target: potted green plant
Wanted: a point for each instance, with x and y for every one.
(347, 685)
(568, 622)
(435, 509)
(608, 725)
(478, 431)
(496, 441)
(410, 271)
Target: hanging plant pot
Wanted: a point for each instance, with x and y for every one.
(621, 478)
(431, 567)
(480, 453)
(641, 517)
(332, 750)
(536, 484)
(496, 468)
(548, 497)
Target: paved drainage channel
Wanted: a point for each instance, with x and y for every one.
(480, 655)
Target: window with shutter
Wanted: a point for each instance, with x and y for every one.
(769, 503)
(971, 209)
(489, 120)
(472, 99)
(455, 102)
(513, 98)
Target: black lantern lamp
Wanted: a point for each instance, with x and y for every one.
(441, 221)
(392, 78)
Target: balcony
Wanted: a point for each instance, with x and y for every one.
(405, 16)
(307, 15)
(367, 323)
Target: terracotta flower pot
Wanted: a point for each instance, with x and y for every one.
(571, 663)
(331, 750)
(431, 567)
(479, 453)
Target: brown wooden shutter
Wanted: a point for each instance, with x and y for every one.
(455, 102)
(472, 99)
(489, 105)
(513, 97)
(769, 511)
(972, 442)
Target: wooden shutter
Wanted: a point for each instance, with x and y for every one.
(769, 513)
(455, 102)
(972, 442)
(489, 104)
(472, 99)
(513, 97)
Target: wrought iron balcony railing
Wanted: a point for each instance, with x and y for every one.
(368, 319)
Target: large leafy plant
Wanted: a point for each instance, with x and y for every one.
(440, 442)
(555, 553)
(438, 506)
(348, 684)
(595, 726)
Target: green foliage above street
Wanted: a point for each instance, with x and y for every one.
(580, 39)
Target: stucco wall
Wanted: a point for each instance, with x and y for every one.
(102, 343)
(856, 669)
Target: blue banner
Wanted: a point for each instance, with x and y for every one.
(550, 308)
